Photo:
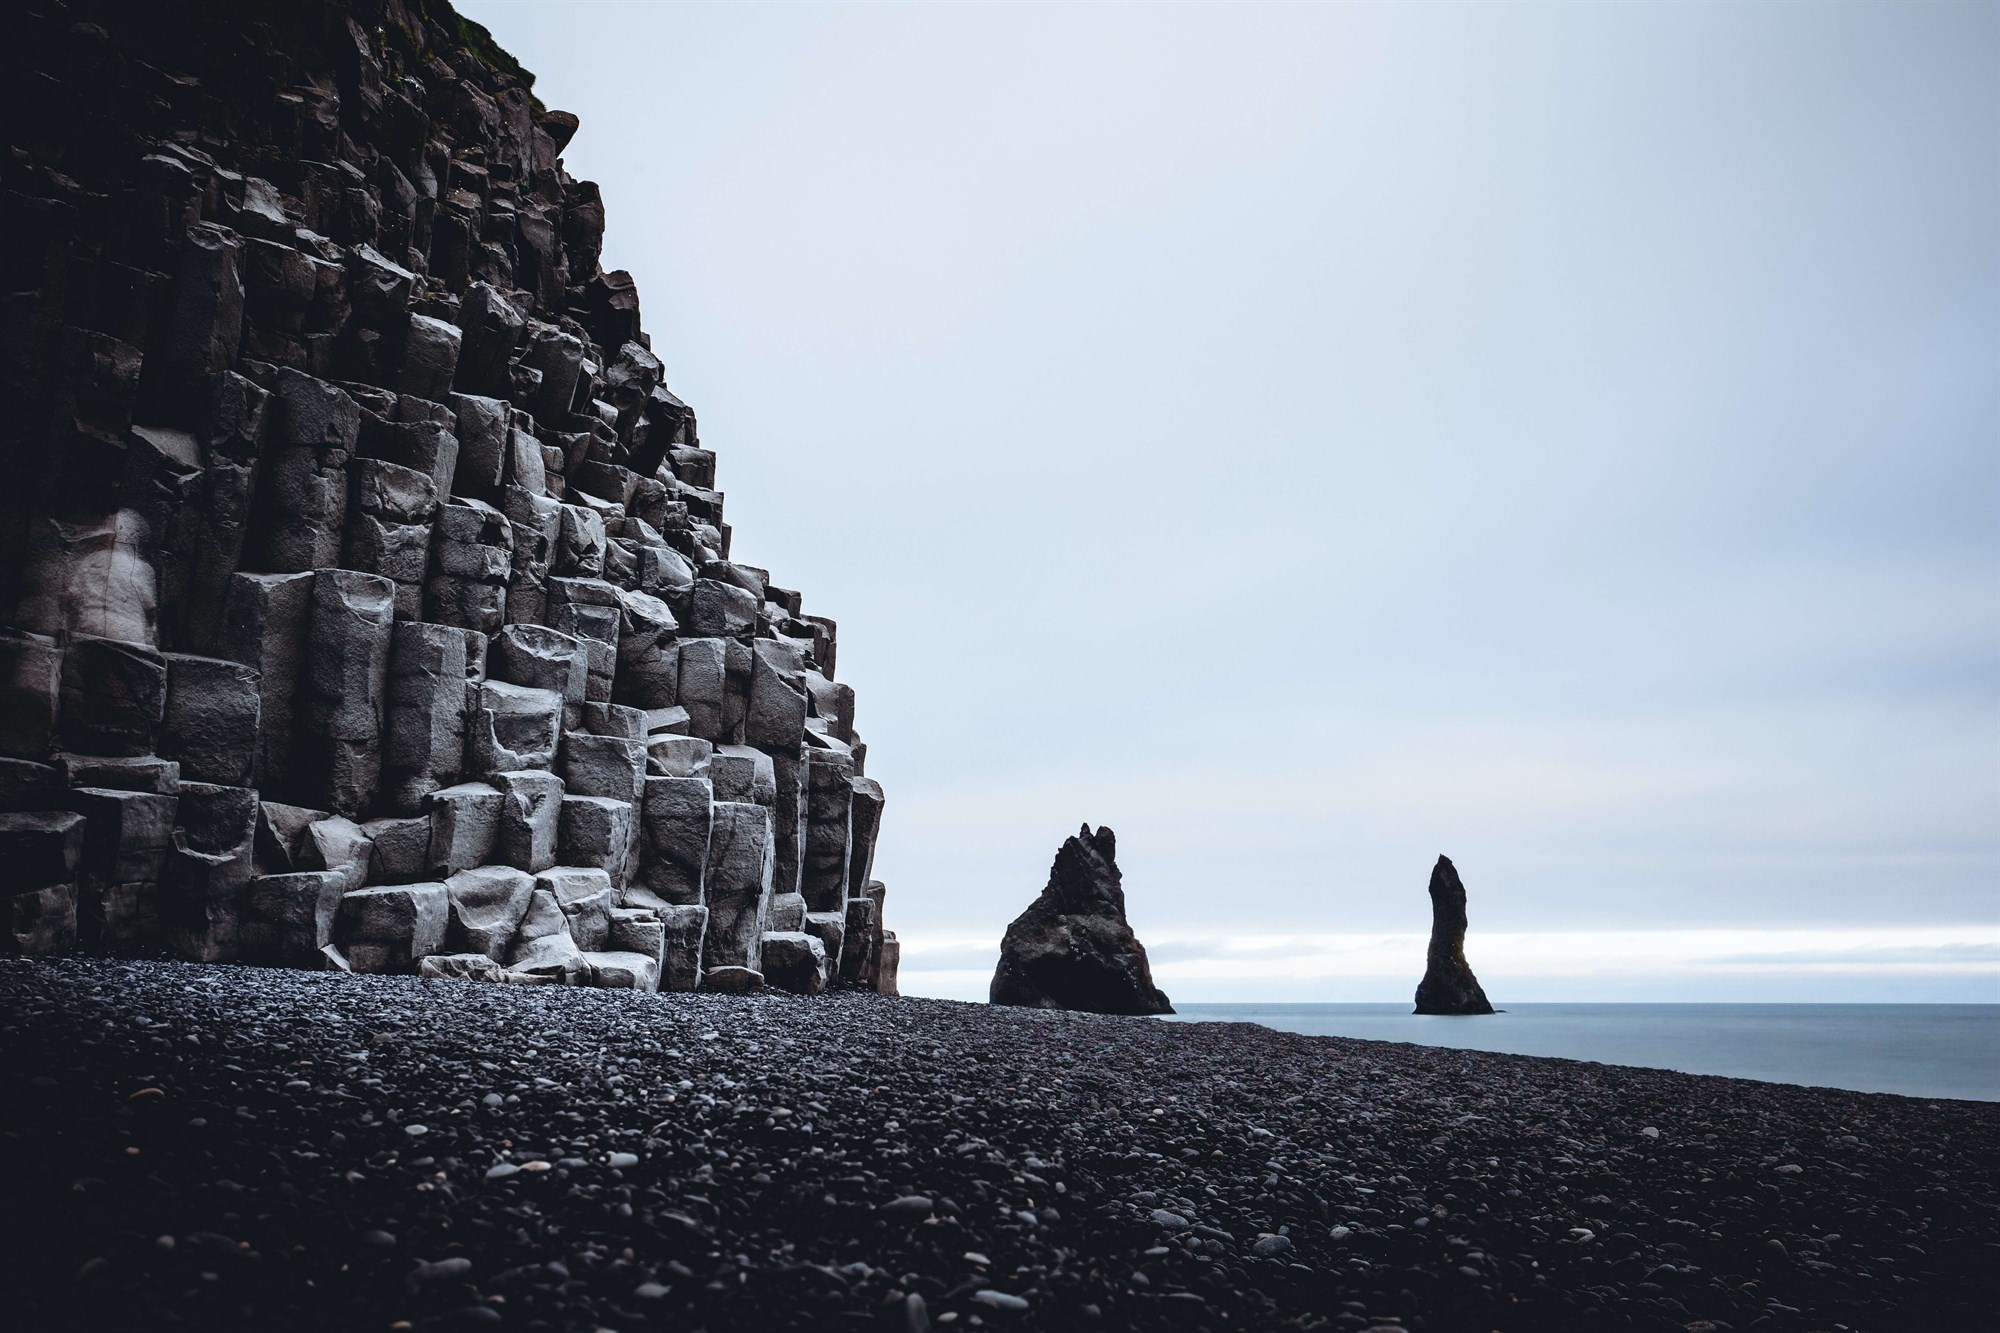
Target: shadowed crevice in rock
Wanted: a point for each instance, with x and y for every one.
(1448, 986)
(1072, 948)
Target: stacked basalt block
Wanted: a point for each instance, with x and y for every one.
(367, 598)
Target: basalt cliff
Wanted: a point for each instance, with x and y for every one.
(366, 599)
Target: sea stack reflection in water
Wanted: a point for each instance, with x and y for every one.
(1448, 986)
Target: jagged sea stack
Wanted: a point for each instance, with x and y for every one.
(1072, 948)
(1448, 986)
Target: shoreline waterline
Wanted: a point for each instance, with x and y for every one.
(1913, 1050)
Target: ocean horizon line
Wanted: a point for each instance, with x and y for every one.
(1501, 1004)
(1909, 1048)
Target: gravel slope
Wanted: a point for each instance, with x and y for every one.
(212, 1147)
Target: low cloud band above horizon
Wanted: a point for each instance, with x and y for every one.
(1958, 964)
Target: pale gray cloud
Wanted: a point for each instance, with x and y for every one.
(1312, 438)
(1959, 952)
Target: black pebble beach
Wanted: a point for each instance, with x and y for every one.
(205, 1147)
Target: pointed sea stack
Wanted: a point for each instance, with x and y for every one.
(1072, 948)
(1448, 986)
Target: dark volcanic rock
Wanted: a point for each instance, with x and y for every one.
(1072, 948)
(1448, 986)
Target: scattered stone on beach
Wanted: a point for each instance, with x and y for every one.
(1109, 1172)
(1448, 986)
(1072, 948)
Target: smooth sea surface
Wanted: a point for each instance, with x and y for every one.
(1920, 1050)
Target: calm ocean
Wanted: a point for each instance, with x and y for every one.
(1920, 1050)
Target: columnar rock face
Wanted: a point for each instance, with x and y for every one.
(366, 599)
(1072, 948)
(1448, 986)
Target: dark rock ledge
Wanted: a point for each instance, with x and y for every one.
(204, 1147)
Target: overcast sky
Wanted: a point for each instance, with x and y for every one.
(1313, 438)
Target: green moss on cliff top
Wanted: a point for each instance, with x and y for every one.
(480, 42)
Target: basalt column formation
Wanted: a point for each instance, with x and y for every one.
(367, 597)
